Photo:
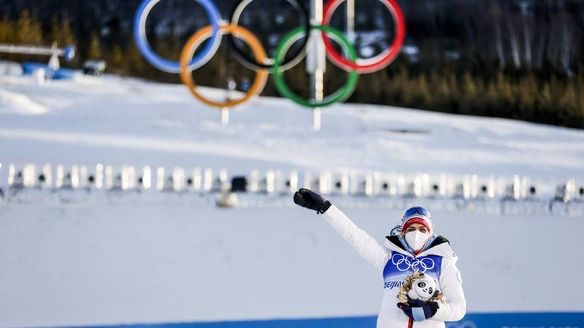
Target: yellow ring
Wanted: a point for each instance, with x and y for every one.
(239, 32)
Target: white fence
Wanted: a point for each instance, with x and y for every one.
(466, 191)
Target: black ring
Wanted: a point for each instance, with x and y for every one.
(247, 60)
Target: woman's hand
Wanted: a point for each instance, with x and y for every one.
(419, 310)
(311, 200)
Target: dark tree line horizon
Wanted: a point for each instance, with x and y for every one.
(521, 59)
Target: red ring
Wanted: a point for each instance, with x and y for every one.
(394, 49)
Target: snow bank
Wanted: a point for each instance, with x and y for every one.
(183, 261)
(14, 103)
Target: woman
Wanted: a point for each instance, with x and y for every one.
(415, 248)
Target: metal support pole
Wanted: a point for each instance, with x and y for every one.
(316, 121)
(229, 91)
(225, 116)
(316, 61)
(317, 85)
(351, 21)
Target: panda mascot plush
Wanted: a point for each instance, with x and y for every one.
(419, 287)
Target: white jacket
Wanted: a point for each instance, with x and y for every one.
(395, 263)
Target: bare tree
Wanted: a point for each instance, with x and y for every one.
(497, 22)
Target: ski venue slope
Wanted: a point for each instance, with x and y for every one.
(177, 258)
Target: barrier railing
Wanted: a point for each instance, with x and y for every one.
(498, 193)
(53, 65)
(68, 53)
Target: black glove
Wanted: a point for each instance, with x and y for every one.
(419, 310)
(311, 200)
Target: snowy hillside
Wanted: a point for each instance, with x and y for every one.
(124, 121)
(177, 258)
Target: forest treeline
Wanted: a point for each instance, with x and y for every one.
(516, 59)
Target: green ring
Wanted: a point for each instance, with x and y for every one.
(338, 96)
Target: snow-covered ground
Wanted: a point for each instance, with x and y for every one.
(177, 258)
(79, 265)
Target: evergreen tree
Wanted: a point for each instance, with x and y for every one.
(580, 112)
(406, 93)
(425, 97)
(469, 92)
(506, 95)
(527, 96)
(545, 101)
(452, 82)
(567, 101)
(441, 91)
(28, 29)
(62, 35)
(61, 32)
(137, 64)
(117, 61)
(492, 100)
(7, 28)
(95, 51)
(580, 94)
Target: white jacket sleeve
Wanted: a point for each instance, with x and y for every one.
(363, 243)
(454, 306)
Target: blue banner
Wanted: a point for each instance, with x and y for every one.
(473, 320)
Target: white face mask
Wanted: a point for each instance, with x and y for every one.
(417, 239)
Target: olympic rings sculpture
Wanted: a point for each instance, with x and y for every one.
(190, 60)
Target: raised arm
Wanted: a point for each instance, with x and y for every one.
(363, 243)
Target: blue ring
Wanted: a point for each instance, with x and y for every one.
(165, 64)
